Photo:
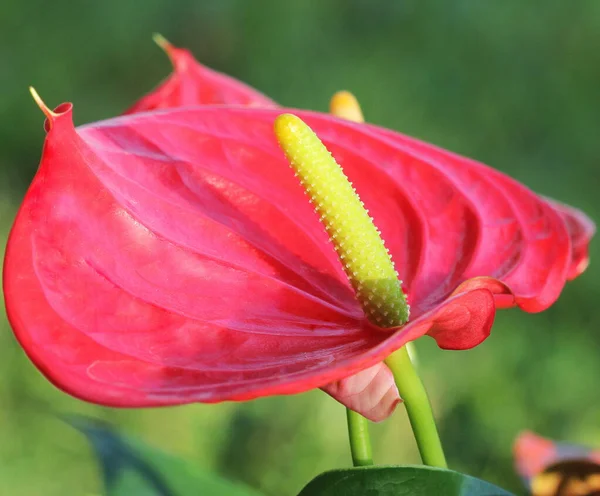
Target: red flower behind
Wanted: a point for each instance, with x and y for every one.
(172, 257)
(195, 84)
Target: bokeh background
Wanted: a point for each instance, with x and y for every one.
(514, 84)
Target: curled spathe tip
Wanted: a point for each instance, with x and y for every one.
(169, 49)
(162, 42)
(51, 115)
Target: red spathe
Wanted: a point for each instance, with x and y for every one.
(172, 257)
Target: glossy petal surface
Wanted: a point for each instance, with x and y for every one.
(193, 84)
(172, 257)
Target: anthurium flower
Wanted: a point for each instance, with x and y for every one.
(372, 391)
(550, 468)
(171, 257)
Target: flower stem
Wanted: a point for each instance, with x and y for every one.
(419, 411)
(345, 105)
(360, 442)
(366, 262)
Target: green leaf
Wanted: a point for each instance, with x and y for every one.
(399, 481)
(132, 468)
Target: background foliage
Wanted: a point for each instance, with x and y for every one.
(514, 84)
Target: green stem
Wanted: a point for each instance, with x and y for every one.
(360, 442)
(419, 411)
(369, 268)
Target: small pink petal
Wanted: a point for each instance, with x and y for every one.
(371, 392)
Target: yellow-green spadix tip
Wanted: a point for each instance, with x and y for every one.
(355, 238)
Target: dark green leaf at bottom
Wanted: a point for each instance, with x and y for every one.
(399, 481)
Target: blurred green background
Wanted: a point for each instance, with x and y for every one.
(514, 84)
